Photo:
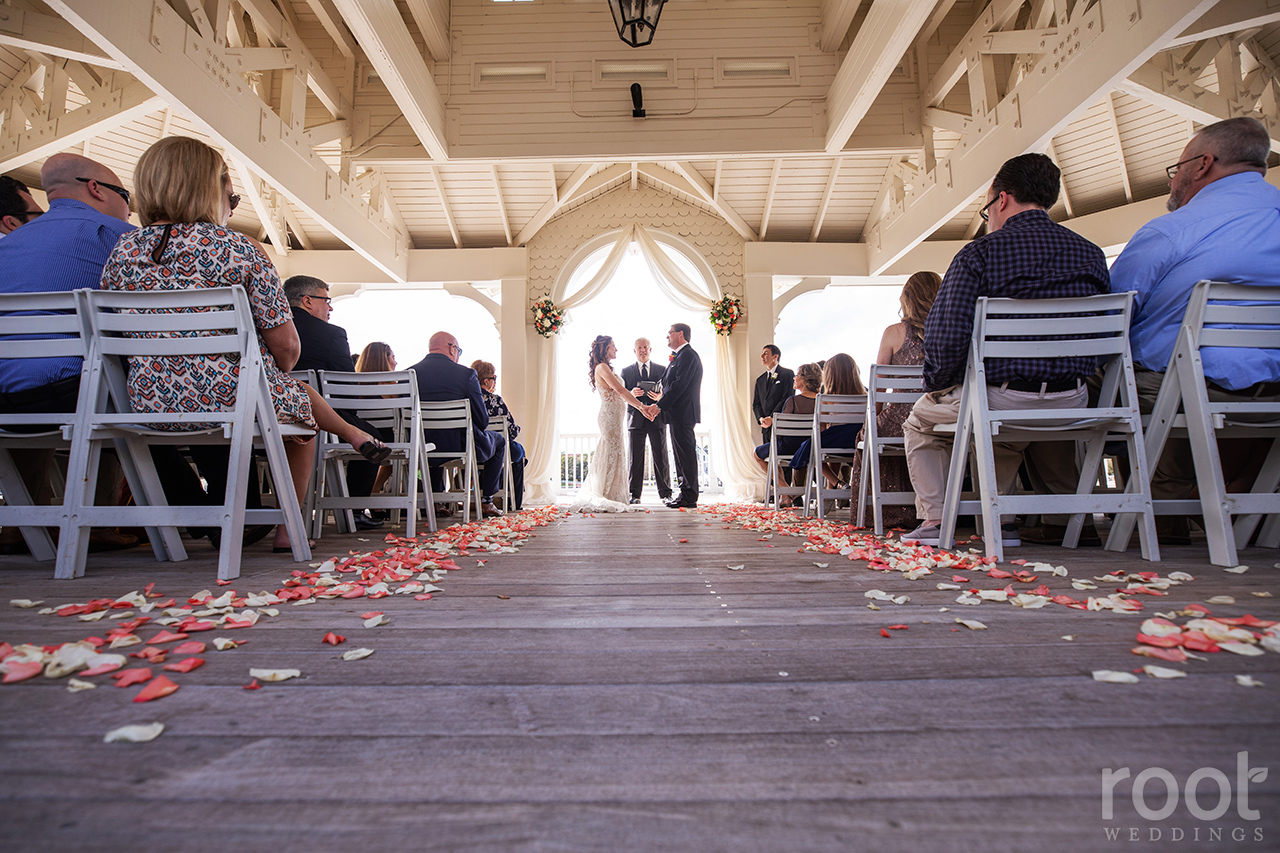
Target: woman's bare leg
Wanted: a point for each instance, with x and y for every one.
(329, 420)
(302, 460)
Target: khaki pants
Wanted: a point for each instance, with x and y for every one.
(929, 453)
(1174, 477)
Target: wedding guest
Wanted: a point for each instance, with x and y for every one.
(773, 388)
(61, 250)
(442, 379)
(839, 376)
(902, 343)
(1025, 255)
(377, 357)
(184, 203)
(324, 347)
(497, 408)
(17, 207)
(807, 383)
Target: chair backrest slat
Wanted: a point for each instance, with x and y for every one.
(27, 315)
(448, 414)
(1051, 328)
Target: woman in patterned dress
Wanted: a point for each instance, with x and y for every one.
(184, 203)
(902, 343)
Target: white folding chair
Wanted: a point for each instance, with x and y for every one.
(36, 325)
(175, 324)
(899, 384)
(311, 378)
(790, 426)
(455, 415)
(386, 399)
(500, 425)
(829, 410)
(1243, 317)
(1051, 328)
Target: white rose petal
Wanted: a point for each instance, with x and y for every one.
(134, 734)
(1112, 677)
(274, 674)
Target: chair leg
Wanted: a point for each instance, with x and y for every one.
(38, 539)
(144, 481)
(73, 541)
(864, 479)
(1266, 482)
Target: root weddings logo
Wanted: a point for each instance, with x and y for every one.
(1207, 793)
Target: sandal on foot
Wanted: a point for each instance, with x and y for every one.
(375, 452)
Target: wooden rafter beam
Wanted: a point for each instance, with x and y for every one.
(837, 17)
(1113, 125)
(768, 198)
(1114, 38)
(444, 204)
(826, 199)
(279, 29)
(106, 110)
(49, 35)
(382, 33)
(559, 196)
(1167, 85)
(888, 30)
(998, 14)
(502, 205)
(432, 18)
(1230, 16)
(711, 195)
(266, 203)
(170, 58)
(331, 20)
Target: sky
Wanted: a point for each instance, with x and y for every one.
(813, 326)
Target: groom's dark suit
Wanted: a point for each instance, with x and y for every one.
(682, 404)
(640, 429)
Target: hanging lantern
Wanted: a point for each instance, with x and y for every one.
(636, 19)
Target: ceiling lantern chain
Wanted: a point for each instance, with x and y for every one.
(636, 20)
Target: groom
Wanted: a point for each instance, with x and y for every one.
(681, 403)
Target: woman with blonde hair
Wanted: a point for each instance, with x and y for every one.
(839, 376)
(902, 343)
(497, 407)
(184, 202)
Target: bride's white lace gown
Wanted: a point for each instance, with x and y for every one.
(607, 487)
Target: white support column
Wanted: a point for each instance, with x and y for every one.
(514, 332)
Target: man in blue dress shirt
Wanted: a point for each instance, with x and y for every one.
(63, 249)
(1223, 224)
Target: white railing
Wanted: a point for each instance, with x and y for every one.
(576, 450)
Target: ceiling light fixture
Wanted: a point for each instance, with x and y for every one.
(636, 20)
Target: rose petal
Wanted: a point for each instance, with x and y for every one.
(274, 674)
(185, 665)
(129, 677)
(159, 687)
(1113, 677)
(333, 639)
(356, 654)
(134, 733)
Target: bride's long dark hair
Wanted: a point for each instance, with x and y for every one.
(599, 355)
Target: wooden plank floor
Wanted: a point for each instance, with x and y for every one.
(611, 687)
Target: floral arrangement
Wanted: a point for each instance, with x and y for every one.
(725, 314)
(547, 318)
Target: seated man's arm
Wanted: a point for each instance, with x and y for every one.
(949, 327)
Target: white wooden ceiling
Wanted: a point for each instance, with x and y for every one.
(510, 155)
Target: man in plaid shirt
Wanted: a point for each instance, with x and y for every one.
(1024, 255)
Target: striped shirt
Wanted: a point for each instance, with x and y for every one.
(1030, 257)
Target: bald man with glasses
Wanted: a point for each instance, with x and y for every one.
(60, 250)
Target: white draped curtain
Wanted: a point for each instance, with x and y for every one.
(730, 423)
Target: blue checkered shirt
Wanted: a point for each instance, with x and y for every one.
(1030, 257)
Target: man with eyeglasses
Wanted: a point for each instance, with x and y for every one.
(62, 249)
(1025, 255)
(325, 347)
(441, 379)
(17, 207)
(1223, 224)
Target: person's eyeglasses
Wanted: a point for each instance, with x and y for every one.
(458, 348)
(233, 200)
(1173, 170)
(986, 217)
(120, 191)
(322, 298)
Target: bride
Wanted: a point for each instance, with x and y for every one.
(607, 486)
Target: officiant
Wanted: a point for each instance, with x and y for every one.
(641, 378)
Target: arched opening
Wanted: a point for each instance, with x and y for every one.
(631, 306)
(864, 311)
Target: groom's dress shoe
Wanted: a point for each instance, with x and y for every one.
(681, 503)
(672, 503)
(635, 500)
